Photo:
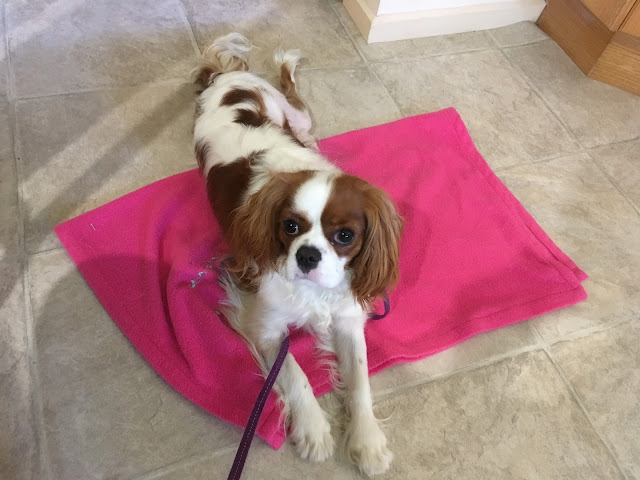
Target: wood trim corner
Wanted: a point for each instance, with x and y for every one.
(578, 31)
(619, 64)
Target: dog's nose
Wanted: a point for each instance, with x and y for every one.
(308, 258)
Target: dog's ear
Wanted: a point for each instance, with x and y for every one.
(375, 268)
(253, 234)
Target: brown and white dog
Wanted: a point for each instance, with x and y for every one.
(310, 246)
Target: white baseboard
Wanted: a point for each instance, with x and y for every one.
(427, 23)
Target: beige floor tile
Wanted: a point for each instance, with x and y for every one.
(83, 150)
(67, 45)
(310, 26)
(472, 425)
(596, 226)
(107, 413)
(419, 47)
(609, 387)
(622, 163)
(344, 100)
(263, 463)
(513, 419)
(506, 119)
(517, 34)
(477, 349)
(596, 113)
(18, 457)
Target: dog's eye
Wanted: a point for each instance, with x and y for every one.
(344, 237)
(290, 227)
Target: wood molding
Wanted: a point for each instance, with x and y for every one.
(578, 31)
(610, 12)
(631, 24)
(427, 23)
(604, 55)
(619, 64)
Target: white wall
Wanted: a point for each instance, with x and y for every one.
(385, 7)
(387, 20)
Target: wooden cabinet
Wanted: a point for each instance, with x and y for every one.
(631, 24)
(610, 12)
(601, 36)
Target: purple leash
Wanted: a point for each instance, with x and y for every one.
(252, 424)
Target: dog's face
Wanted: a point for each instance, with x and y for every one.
(322, 227)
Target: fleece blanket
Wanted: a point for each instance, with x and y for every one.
(472, 260)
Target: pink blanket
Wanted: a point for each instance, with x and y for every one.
(472, 260)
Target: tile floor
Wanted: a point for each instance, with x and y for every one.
(94, 103)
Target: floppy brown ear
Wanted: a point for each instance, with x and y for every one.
(253, 234)
(375, 268)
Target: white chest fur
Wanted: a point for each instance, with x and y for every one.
(302, 303)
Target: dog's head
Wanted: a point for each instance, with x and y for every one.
(328, 228)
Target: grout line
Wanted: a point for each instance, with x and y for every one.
(578, 400)
(537, 334)
(545, 159)
(587, 332)
(398, 61)
(185, 462)
(192, 34)
(367, 64)
(393, 392)
(107, 88)
(615, 184)
(495, 42)
(36, 399)
(491, 38)
(43, 459)
(388, 93)
(619, 142)
(334, 7)
(9, 77)
(45, 252)
(541, 96)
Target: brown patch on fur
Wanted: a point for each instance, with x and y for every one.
(206, 73)
(250, 118)
(211, 66)
(345, 209)
(226, 184)
(289, 88)
(240, 95)
(374, 253)
(251, 110)
(254, 233)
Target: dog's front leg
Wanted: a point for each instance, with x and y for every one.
(309, 430)
(365, 442)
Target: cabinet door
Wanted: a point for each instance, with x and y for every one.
(631, 24)
(610, 12)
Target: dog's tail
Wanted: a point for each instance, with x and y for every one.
(286, 63)
(225, 54)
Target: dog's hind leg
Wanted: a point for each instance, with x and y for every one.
(297, 118)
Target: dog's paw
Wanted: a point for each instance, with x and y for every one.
(311, 435)
(367, 446)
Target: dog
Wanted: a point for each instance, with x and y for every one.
(310, 246)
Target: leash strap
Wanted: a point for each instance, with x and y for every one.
(387, 307)
(250, 429)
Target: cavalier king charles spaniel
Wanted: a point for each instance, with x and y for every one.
(309, 245)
